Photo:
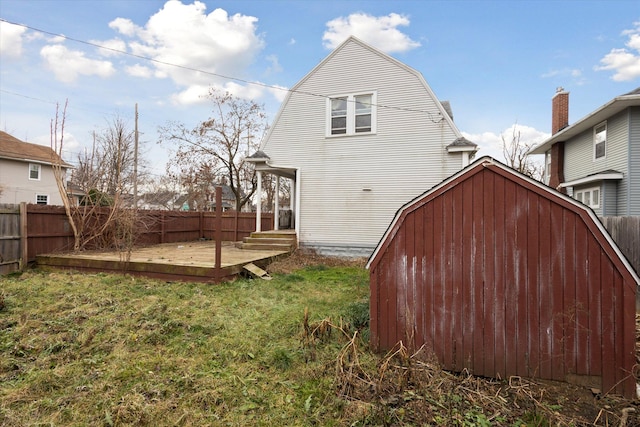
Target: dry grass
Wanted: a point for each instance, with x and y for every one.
(109, 350)
(303, 258)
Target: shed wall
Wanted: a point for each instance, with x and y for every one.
(498, 278)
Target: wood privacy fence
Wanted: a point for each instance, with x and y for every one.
(625, 231)
(28, 230)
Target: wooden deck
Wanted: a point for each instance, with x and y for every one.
(185, 261)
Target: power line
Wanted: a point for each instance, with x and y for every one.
(222, 76)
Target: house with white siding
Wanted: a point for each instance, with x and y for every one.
(359, 135)
(596, 160)
(26, 172)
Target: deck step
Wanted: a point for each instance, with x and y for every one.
(270, 240)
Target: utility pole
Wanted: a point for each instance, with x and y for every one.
(135, 163)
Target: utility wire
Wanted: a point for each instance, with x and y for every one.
(222, 76)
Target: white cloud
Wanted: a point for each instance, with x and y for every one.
(185, 35)
(490, 143)
(625, 62)
(275, 66)
(11, 39)
(574, 74)
(67, 64)
(123, 26)
(381, 32)
(113, 46)
(138, 70)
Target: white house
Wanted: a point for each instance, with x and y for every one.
(358, 136)
(26, 172)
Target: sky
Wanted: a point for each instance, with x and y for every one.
(497, 62)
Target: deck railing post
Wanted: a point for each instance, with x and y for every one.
(218, 227)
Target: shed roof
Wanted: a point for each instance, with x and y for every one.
(533, 185)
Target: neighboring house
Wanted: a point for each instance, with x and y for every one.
(358, 136)
(597, 159)
(26, 172)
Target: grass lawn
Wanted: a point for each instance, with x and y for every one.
(110, 350)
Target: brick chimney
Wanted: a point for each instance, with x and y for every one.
(559, 121)
(559, 110)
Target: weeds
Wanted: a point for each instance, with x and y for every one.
(79, 349)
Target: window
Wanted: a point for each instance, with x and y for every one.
(338, 116)
(351, 114)
(34, 171)
(589, 196)
(600, 141)
(547, 167)
(42, 199)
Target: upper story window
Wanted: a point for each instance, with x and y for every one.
(351, 114)
(589, 196)
(600, 141)
(34, 171)
(547, 167)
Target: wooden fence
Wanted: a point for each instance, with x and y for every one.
(28, 230)
(625, 231)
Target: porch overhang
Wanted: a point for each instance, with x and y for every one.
(603, 176)
(261, 163)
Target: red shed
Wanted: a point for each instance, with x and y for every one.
(501, 275)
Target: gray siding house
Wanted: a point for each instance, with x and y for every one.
(597, 159)
(359, 135)
(26, 172)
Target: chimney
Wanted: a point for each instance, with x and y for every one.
(559, 110)
(559, 121)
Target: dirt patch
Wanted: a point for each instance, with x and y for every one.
(302, 258)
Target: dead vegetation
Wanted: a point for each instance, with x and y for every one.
(303, 258)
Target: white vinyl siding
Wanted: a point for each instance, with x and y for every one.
(352, 185)
(18, 187)
(632, 207)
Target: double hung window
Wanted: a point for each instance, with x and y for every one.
(600, 141)
(351, 114)
(34, 171)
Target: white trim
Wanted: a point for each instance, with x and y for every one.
(259, 203)
(351, 114)
(465, 149)
(39, 171)
(593, 178)
(42, 195)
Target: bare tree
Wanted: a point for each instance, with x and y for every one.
(216, 150)
(108, 168)
(515, 154)
(111, 227)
